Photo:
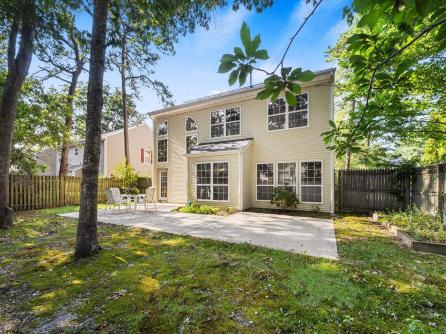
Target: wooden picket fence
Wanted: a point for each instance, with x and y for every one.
(41, 192)
(367, 190)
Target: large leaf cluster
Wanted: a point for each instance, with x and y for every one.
(243, 62)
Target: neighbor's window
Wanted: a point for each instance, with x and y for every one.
(311, 181)
(265, 181)
(191, 141)
(225, 122)
(282, 116)
(162, 129)
(191, 125)
(162, 150)
(213, 181)
(286, 175)
(76, 151)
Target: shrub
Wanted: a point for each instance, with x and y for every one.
(206, 209)
(420, 225)
(126, 173)
(284, 198)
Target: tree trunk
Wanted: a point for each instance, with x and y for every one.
(347, 158)
(87, 242)
(63, 170)
(18, 67)
(124, 98)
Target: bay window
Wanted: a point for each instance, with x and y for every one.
(213, 181)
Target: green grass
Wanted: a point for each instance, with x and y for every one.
(206, 210)
(144, 281)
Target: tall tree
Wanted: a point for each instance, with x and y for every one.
(64, 58)
(171, 19)
(385, 54)
(87, 242)
(20, 17)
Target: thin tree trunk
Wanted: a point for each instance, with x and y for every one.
(18, 67)
(348, 152)
(124, 98)
(63, 170)
(87, 242)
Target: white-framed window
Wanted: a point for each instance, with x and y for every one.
(311, 181)
(213, 181)
(283, 116)
(225, 122)
(163, 129)
(265, 181)
(191, 141)
(162, 150)
(162, 133)
(286, 175)
(191, 124)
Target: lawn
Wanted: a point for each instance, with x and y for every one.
(150, 282)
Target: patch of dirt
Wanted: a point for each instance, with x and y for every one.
(240, 318)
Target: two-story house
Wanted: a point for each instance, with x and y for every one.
(112, 153)
(232, 149)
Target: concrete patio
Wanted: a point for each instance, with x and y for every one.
(304, 235)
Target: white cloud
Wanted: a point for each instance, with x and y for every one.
(216, 91)
(335, 31)
(301, 12)
(221, 30)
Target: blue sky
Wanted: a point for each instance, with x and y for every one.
(192, 71)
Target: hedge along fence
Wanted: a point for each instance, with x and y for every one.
(41, 192)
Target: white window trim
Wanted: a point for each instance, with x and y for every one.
(158, 152)
(190, 134)
(274, 180)
(185, 123)
(322, 181)
(212, 182)
(167, 183)
(277, 174)
(162, 137)
(287, 115)
(224, 123)
(158, 129)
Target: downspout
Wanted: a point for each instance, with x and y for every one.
(332, 199)
(240, 180)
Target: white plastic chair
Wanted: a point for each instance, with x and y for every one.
(114, 198)
(150, 198)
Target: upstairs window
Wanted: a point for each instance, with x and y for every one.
(162, 141)
(225, 122)
(191, 124)
(282, 116)
(162, 129)
(191, 141)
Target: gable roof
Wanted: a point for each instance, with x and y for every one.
(247, 92)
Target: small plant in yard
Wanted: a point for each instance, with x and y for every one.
(284, 198)
(420, 225)
(126, 173)
(197, 208)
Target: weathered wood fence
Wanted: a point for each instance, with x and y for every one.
(40, 192)
(392, 189)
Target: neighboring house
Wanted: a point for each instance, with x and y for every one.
(232, 149)
(112, 153)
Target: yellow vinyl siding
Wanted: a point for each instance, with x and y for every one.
(291, 145)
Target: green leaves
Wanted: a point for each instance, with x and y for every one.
(242, 61)
(245, 36)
